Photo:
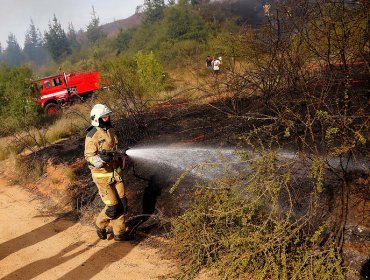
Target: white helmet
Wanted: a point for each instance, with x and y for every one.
(98, 111)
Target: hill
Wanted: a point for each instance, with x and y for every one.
(112, 29)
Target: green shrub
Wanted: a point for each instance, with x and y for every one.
(181, 54)
(135, 82)
(242, 228)
(17, 108)
(150, 73)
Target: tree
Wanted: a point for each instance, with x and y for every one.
(33, 45)
(153, 10)
(185, 23)
(150, 74)
(72, 37)
(1, 52)
(13, 53)
(94, 31)
(199, 2)
(139, 9)
(123, 39)
(56, 41)
(17, 108)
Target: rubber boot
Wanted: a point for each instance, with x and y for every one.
(102, 233)
(124, 236)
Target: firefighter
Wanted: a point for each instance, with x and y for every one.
(106, 173)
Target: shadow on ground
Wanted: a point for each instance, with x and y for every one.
(37, 235)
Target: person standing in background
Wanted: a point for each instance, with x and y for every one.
(209, 62)
(217, 66)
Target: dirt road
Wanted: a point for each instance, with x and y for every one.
(35, 245)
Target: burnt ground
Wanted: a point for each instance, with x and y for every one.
(151, 203)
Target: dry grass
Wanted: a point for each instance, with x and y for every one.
(199, 85)
(8, 148)
(26, 171)
(73, 121)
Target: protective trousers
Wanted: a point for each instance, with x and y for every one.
(112, 193)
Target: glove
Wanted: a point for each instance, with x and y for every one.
(97, 161)
(106, 156)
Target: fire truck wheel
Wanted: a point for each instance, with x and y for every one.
(51, 109)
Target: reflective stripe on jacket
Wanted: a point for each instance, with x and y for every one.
(102, 175)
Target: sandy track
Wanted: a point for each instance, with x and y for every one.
(34, 245)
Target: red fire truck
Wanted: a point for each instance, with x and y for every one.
(55, 91)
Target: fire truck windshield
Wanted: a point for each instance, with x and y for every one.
(57, 82)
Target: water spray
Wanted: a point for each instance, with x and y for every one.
(207, 162)
(198, 161)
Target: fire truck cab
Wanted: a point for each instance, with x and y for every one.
(54, 91)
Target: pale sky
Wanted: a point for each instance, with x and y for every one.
(15, 15)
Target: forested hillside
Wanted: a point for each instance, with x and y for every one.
(173, 32)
